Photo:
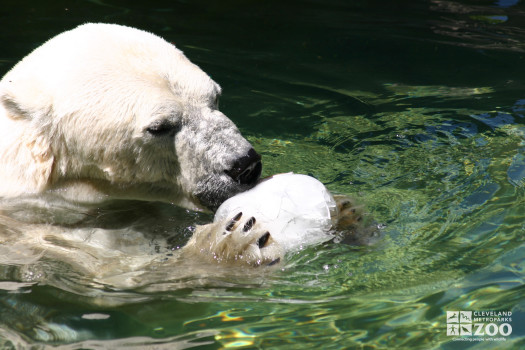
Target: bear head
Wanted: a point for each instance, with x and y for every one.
(107, 111)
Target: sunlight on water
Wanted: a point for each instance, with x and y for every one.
(447, 185)
(434, 149)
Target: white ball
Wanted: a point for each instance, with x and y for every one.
(296, 209)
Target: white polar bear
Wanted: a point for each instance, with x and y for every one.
(106, 111)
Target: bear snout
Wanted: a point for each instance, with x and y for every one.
(246, 170)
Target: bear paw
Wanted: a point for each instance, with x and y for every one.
(352, 224)
(238, 241)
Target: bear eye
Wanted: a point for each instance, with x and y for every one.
(162, 128)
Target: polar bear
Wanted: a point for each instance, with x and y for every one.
(105, 111)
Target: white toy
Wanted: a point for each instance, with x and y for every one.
(296, 209)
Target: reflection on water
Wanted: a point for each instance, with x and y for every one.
(435, 147)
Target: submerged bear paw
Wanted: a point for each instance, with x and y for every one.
(352, 224)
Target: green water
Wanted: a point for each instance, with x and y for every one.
(417, 108)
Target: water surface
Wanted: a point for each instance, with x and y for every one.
(416, 108)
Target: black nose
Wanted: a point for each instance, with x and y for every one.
(247, 169)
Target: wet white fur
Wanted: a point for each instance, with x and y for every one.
(74, 114)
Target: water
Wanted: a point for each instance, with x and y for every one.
(417, 108)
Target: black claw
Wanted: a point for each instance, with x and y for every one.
(261, 242)
(249, 224)
(276, 261)
(233, 221)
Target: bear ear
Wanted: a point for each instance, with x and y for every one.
(12, 107)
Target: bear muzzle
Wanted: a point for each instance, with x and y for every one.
(243, 174)
(246, 170)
